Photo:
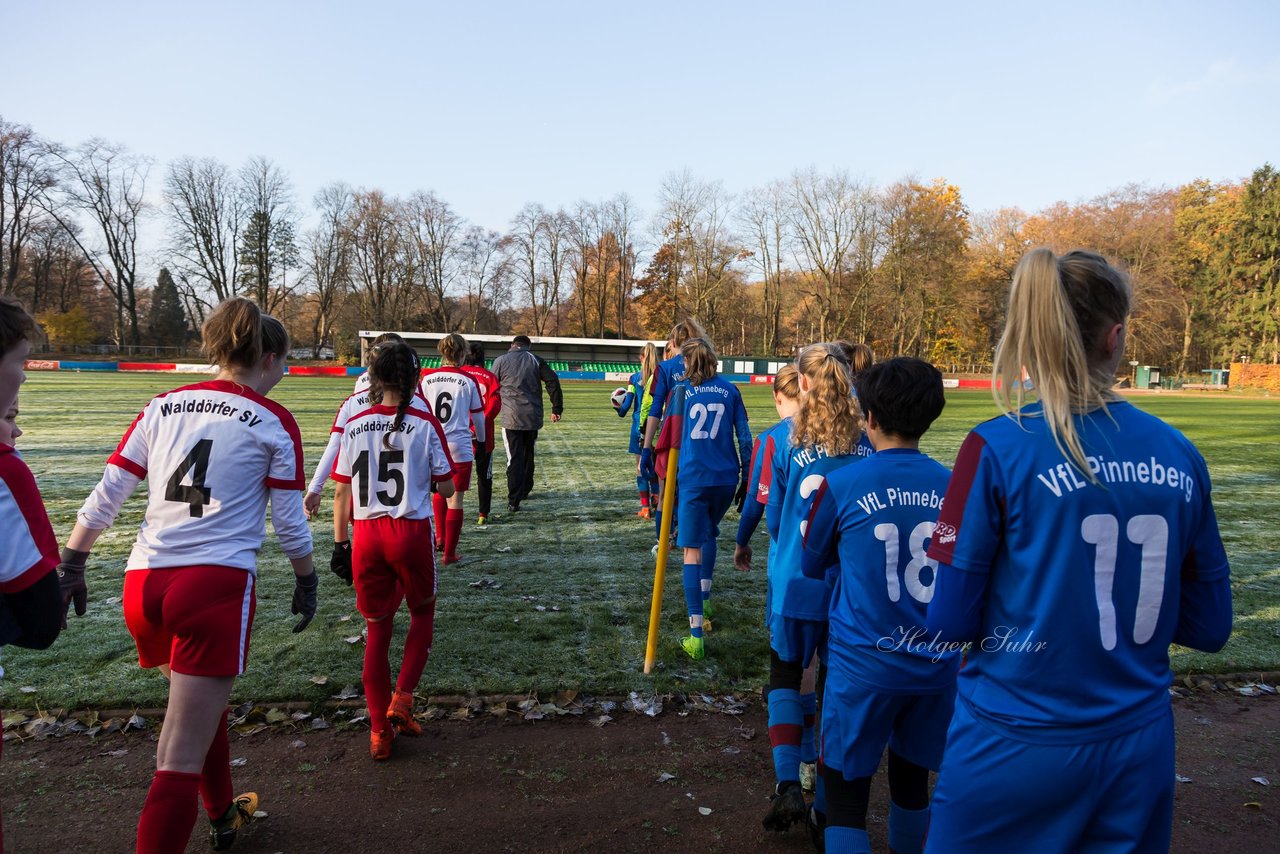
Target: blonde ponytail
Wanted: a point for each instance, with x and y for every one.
(1059, 308)
(828, 414)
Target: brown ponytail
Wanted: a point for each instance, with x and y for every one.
(232, 334)
(1059, 309)
(453, 347)
(700, 362)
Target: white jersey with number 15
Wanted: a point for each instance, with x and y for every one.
(392, 478)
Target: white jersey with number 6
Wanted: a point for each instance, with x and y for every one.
(396, 480)
(210, 453)
(455, 400)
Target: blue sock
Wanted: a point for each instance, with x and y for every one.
(847, 840)
(785, 724)
(907, 828)
(708, 567)
(693, 598)
(808, 744)
(820, 792)
(657, 522)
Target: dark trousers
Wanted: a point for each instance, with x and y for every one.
(519, 463)
(484, 478)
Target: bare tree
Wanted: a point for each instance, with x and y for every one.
(27, 172)
(766, 217)
(524, 251)
(378, 264)
(485, 272)
(204, 207)
(105, 183)
(268, 247)
(622, 221)
(434, 231)
(826, 214)
(326, 258)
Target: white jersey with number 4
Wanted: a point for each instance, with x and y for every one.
(210, 453)
(396, 480)
(454, 398)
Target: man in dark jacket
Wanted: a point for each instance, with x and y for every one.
(521, 374)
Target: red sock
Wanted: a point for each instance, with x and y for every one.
(644, 499)
(452, 532)
(439, 507)
(169, 814)
(377, 672)
(417, 647)
(215, 779)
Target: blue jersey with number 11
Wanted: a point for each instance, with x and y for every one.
(1084, 579)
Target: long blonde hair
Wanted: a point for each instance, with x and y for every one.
(1058, 310)
(648, 361)
(684, 330)
(700, 362)
(828, 414)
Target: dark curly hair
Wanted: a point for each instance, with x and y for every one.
(394, 366)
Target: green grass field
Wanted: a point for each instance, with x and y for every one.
(573, 565)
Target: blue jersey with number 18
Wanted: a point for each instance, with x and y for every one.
(1084, 580)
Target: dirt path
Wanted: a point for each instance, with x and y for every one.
(561, 785)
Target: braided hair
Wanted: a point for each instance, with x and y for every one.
(394, 366)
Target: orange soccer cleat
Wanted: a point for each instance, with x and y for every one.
(380, 743)
(644, 513)
(400, 714)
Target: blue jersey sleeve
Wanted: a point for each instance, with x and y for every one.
(820, 535)
(626, 404)
(752, 510)
(971, 520)
(661, 389)
(1204, 606)
(773, 491)
(955, 611)
(744, 438)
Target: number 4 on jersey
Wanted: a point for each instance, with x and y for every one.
(197, 495)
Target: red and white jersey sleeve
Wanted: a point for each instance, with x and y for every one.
(452, 397)
(210, 453)
(28, 548)
(362, 383)
(396, 480)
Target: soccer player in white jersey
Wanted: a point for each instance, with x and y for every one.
(391, 455)
(454, 398)
(358, 401)
(213, 454)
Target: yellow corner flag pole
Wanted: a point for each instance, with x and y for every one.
(664, 547)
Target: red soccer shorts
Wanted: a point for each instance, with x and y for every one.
(196, 619)
(462, 476)
(390, 556)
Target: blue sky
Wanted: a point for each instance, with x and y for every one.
(497, 104)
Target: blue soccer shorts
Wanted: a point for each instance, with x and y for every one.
(700, 510)
(795, 639)
(995, 793)
(857, 723)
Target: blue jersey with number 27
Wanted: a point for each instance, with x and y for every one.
(1083, 579)
(704, 422)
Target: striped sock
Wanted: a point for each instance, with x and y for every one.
(786, 721)
(808, 744)
(693, 598)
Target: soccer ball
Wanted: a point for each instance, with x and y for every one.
(619, 395)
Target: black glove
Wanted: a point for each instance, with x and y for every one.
(304, 599)
(740, 497)
(71, 581)
(340, 561)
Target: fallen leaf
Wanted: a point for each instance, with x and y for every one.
(354, 639)
(705, 810)
(535, 607)
(1178, 778)
(259, 813)
(348, 693)
(300, 716)
(319, 723)
(297, 743)
(238, 762)
(666, 740)
(732, 751)
(137, 722)
(601, 721)
(121, 752)
(461, 713)
(1254, 805)
(320, 680)
(27, 689)
(275, 716)
(1261, 781)
(345, 618)
(665, 777)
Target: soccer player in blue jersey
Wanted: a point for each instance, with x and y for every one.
(1077, 541)
(669, 372)
(824, 438)
(637, 402)
(886, 683)
(705, 416)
